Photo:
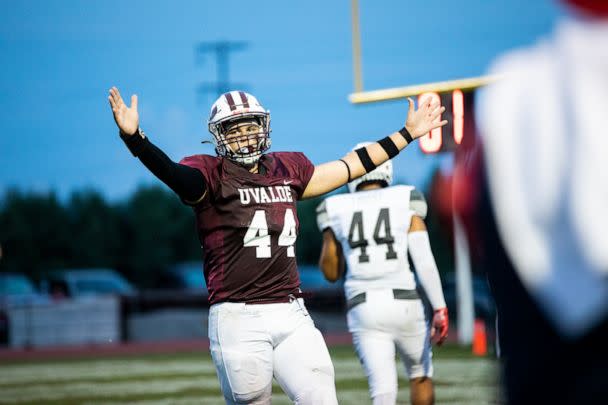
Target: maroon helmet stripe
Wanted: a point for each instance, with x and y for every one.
(244, 99)
(213, 112)
(230, 101)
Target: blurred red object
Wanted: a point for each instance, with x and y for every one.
(480, 341)
(597, 8)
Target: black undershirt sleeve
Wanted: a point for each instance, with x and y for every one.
(187, 182)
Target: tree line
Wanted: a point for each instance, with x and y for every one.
(138, 236)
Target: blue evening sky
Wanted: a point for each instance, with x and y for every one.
(59, 58)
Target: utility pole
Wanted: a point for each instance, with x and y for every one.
(222, 50)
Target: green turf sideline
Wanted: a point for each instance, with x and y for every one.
(189, 378)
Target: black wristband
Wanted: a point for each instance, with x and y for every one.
(406, 135)
(366, 161)
(389, 147)
(136, 142)
(347, 168)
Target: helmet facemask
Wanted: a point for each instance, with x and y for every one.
(242, 139)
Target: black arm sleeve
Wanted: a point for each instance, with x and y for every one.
(187, 182)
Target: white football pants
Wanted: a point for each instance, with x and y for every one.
(382, 323)
(252, 343)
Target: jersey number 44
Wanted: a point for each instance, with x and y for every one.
(257, 234)
(382, 235)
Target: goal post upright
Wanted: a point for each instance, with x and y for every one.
(463, 271)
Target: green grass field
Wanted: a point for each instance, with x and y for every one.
(189, 378)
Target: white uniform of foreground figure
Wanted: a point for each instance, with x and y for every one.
(548, 171)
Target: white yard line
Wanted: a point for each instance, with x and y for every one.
(470, 381)
(113, 390)
(193, 400)
(102, 370)
(452, 370)
(207, 400)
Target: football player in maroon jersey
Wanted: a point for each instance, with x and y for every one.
(244, 201)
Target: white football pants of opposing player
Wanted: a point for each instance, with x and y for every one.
(378, 326)
(252, 343)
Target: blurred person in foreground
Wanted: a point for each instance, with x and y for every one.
(372, 229)
(244, 200)
(544, 134)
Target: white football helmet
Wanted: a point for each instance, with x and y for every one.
(230, 108)
(384, 172)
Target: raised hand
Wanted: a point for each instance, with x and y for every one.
(427, 117)
(127, 119)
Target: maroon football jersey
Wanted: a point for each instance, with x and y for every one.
(247, 225)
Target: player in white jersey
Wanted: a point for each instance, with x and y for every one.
(373, 228)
